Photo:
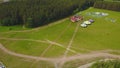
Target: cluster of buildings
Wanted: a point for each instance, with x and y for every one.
(77, 18)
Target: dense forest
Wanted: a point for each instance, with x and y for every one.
(34, 13)
(115, 6)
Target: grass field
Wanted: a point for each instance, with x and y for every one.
(112, 0)
(16, 62)
(53, 41)
(11, 28)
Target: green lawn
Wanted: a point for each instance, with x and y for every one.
(11, 28)
(15, 62)
(101, 35)
(112, 0)
(25, 47)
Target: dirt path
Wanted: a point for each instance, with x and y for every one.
(69, 46)
(73, 51)
(92, 55)
(22, 55)
(51, 44)
(24, 40)
(55, 40)
(88, 65)
(46, 41)
(35, 29)
(56, 60)
(71, 40)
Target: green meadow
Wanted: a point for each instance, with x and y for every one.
(100, 35)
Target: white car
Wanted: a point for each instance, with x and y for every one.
(83, 25)
(87, 22)
(1, 65)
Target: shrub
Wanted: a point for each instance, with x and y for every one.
(107, 64)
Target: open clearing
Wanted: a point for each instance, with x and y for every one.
(60, 42)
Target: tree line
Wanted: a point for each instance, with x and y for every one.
(34, 13)
(115, 6)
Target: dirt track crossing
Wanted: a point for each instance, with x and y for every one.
(69, 46)
(22, 55)
(51, 43)
(71, 40)
(56, 60)
(45, 41)
(55, 40)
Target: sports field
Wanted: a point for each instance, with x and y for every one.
(55, 44)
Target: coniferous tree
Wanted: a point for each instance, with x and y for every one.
(34, 13)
